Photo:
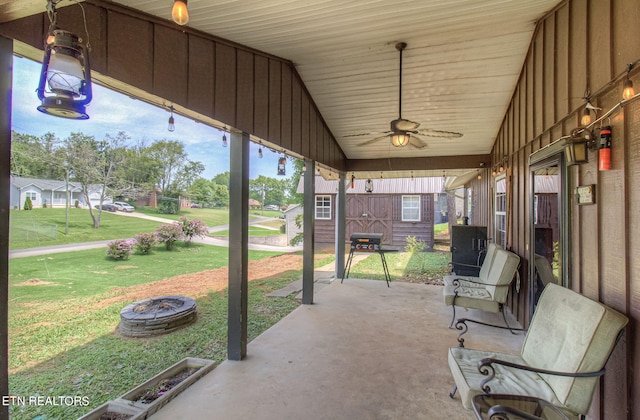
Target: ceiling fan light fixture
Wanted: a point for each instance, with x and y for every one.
(400, 138)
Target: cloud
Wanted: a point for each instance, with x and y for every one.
(111, 112)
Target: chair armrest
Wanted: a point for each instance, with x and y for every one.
(503, 411)
(485, 367)
(461, 325)
(456, 282)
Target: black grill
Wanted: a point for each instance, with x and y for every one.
(366, 241)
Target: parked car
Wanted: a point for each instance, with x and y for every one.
(122, 206)
(107, 207)
(271, 207)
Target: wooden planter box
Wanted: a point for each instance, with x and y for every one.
(116, 406)
(204, 366)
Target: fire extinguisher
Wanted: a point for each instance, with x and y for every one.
(353, 181)
(604, 154)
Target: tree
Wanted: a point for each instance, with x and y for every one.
(169, 155)
(189, 173)
(220, 195)
(93, 164)
(223, 179)
(36, 157)
(294, 197)
(267, 190)
(140, 171)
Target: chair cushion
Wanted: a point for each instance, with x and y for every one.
(463, 363)
(484, 270)
(470, 297)
(504, 267)
(571, 333)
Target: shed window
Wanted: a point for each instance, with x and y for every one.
(323, 207)
(410, 208)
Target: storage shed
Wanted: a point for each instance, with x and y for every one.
(395, 207)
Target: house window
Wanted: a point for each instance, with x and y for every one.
(500, 215)
(410, 208)
(31, 195)
(323, 207)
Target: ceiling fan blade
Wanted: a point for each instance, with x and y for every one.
(439, 133)
(359, 135)
(364, 143)
(417, 142)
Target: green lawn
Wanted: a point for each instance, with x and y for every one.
(64, 316)
(46, 227)
(253, 231)
(407, 266)
(212, 217)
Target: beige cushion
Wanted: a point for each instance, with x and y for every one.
(504, 268)
(464, 368)
(471, 297)
(484, 270)
(577, 335)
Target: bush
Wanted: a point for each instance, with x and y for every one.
(168, 206)
(28, 205)
(119, 249)
(191, 228)
(415, 245)
(168, 234)
(76, 204)
(144, 241)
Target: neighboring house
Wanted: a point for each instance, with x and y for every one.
(254, 204)
(50, 192)
(396, 207)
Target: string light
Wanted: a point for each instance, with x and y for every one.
(627, 88)
(171, 126)
(179, 12)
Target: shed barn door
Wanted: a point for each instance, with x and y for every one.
(369, 214)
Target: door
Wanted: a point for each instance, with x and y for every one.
(369, 214)
(548, 245)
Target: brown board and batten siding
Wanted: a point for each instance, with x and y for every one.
(582, 48)
(422, 230)
(206, 78)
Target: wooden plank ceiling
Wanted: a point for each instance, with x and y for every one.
(460, 66)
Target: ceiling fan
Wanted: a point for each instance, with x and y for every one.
(404, 132)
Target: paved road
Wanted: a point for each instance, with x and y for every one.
(54, 249)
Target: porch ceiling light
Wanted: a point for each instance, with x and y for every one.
(65, 78)
(179, 12)
(400, 138)
(368, 186)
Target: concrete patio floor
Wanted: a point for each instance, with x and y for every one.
(361, 351)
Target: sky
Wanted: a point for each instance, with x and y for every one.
(111, 112)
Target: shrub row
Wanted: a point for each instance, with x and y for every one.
(168, 234)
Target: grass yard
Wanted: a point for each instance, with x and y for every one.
(253, 231)
(417, 267)
(212, 217)
(64, 315)
(45, 227)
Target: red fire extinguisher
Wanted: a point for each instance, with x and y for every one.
(604, 154)
(353, 181)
